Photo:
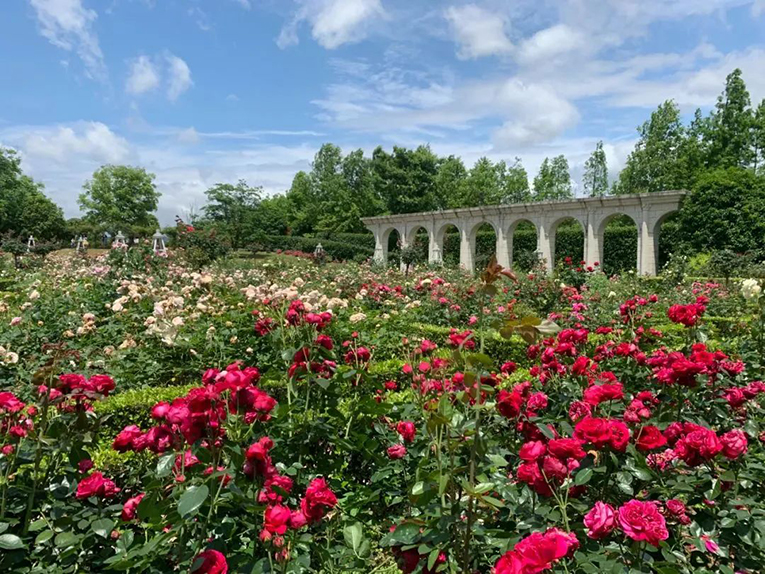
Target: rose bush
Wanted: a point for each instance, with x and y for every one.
(359, 420)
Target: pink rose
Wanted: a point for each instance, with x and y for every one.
(641, 520)
(600, 520)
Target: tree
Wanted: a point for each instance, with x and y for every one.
(654, 164)
(515, 184)
(450, 183)
(758, 138)
(730, 129)
(120, 196)
(232, 209)
(726, 210)
(553, 181)
(405, 180)
(24, 208)
(272, 217)
(595, 178)
(302, 204)
(484, 184)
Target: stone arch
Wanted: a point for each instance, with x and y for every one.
(617, 254)
(523, 252)
(385, 238)
(439, 248)
(558, 250)
(418, 237)
(663, 247)
(479, 255)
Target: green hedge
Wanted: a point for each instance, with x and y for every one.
(336, 249)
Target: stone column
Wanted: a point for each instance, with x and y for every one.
(544, 246)
(467, 249)
(504, 247)
(404, 243)
(592, 242)
(646, 249)
(380, 255)
(435, 251)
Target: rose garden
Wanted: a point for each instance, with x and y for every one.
(495, 380)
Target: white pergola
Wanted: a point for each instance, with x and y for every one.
(647, 210)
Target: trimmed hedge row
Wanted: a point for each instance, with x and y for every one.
(336, 249)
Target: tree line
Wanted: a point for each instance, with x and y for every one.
(724, 149)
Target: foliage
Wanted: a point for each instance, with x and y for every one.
(732, 195)
(200, 247)
(232, 208)
(595, 179)
(24, 208)
(553, 181)
(119, 196)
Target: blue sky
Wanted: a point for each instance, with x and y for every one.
(204, 91)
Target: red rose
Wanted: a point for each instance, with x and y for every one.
(276, 518)
(124, 441)
(594, 431)
(532, 450)
(396, 451)
(734, 444)
(407, 430)
(130, 509)
(641, 520)
(565, 448)
(509, 404)
(317, 500)
(209, 562)
(537, 552)
(96, 485)
(698, 446)
(649, 438)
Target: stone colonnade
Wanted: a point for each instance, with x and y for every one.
(647, 210)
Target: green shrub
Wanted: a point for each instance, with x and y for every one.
(336, 249)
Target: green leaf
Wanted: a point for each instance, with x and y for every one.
(43, 537)
(102, 527)
(165, 465)
(192, 499)
(418, 488)
(583, 476)
(64, 539)
(406, 533)
(354, 535)
(10, 542)
(545, 430)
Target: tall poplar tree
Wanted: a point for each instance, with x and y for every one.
(595, 179)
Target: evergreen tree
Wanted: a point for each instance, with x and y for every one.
(515, 184)
(758, 139)
(483, 186)
(654, 164)
(595, 178)
(553, 181)
(450, 183)
(405, 180)
(730, 129)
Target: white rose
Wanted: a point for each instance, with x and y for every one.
(750, 289)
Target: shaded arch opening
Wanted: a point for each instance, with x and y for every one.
(448, 244)
(568, 241)
(392, 245)
(619, 244)
(666, 238)
(419, 240)
(484, 238)
(523, 235)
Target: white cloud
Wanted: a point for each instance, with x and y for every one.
(478, 32)
(148, 73)
(201, 18)
(188, 136)
(232, 98)
(91, 140)
(67, 24)
(550, 43)
(244, 4)
(144, 76)
(179, 76)
(333, 22)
